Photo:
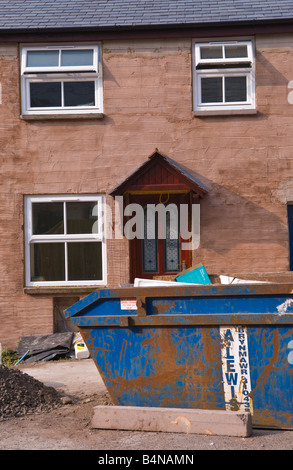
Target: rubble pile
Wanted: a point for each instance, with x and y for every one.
(21, 394)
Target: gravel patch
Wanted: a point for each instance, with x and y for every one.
(22, 394)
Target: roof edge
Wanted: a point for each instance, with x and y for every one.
(149, 27)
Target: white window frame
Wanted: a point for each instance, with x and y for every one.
(61, 74)
(98, 236)
(244, 67)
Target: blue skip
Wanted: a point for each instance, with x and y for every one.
(217, 347)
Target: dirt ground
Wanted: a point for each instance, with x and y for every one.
(68, 427)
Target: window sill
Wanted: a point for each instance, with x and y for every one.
(225, 112)
(44, 117)
(60, 290)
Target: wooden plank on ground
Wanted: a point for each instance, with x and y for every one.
(178, 420)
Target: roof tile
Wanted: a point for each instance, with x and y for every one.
(111, 13)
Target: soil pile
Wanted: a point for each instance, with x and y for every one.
(21, 394)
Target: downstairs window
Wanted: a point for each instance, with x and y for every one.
(64, 240)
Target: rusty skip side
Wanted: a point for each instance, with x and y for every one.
(206, 347)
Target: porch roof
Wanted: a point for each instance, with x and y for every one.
(160, 173)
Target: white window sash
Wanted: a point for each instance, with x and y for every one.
(60, 68)
(225, 60)
(248, 71)
(64, 238)
(62, 80)
(250, 98)
(62, 74)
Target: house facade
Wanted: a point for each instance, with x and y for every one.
(185, 109)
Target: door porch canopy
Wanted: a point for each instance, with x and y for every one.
(158, 175)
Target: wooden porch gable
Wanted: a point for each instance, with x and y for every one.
(159, 174)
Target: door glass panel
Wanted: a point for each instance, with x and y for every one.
(172, 252)
(150, 256)
(150, 242)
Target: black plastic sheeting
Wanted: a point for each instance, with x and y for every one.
(44, 347)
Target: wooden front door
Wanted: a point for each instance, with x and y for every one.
(159, 252)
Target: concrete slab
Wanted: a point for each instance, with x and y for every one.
(180, 420)
(74, 377)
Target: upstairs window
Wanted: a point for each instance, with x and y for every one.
(61, 80)
(224, 77)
